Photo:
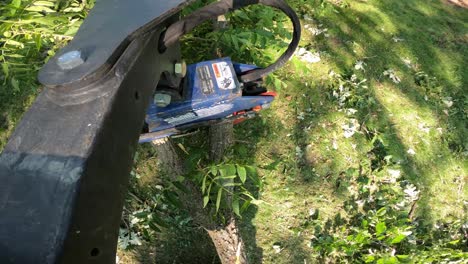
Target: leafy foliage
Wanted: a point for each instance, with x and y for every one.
(350, 91)
(152, 209)
(30, 33)
(224, 187)
(377, 226)
(256, 35)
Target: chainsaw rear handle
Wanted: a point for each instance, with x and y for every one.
(212, 11)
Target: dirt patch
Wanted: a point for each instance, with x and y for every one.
(460, 3)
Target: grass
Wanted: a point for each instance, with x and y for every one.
(28, 37)
(299, 144)
(434, 37)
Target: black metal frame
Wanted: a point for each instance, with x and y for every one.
(64, 172)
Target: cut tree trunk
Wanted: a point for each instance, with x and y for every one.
(229, 243)
(221, 138)
(226, 238)
(168, 157)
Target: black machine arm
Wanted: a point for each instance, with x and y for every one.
(103, 37)
(105, 34)
(64, 171)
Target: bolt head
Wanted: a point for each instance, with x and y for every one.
(180, 69)
(70, 60)
(162, 100)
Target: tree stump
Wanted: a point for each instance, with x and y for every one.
(226, 237)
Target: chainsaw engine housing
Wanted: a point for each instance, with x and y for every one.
(211, 91)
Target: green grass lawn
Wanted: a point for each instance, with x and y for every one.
(385, 109)
(423, 132)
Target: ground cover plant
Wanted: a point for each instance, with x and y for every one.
(362, 157)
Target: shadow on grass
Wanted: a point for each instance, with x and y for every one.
(179, 239)
(12, 107)
(432, 34)
(429, 31)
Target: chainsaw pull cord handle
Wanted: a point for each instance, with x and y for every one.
(175, 31)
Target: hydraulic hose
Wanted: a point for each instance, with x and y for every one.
(212, 11)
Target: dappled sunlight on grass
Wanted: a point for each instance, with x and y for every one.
(383, 35)
(435, 168)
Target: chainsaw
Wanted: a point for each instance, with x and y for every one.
(65, 169)
(210, 93)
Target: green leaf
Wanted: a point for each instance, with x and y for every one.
(154, 227)
(242, 173)
(14, 56)
(71, 31)
(218, 199)
(369, 259)
(253, 175)
(6, 69)
(398, 239)
(235, 206)
(380, 228)
(44, 3)
(155, 219)
(230, 184)
(235, 41)
(15, 4)
(454, 242)
(73, 9)
(40, 9)
(142, 215)
(214, 171)
(180, 186)
(364, 223)
(15, 84)
(229, 169)
(230, 177)
(245, 206)
(257, 202)
(242, 14)
(382, 211)
(208, 192)
(222, 172)
(206, 199)
(7, 34)
(173, 199)
(277, 84)
(204, 184)
(14, 43)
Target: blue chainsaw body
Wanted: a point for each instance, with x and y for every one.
(211, 91)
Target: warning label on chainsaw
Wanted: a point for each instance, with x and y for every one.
(224, 76)
(205, 79)
(180, 119)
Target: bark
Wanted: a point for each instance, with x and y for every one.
(221, 138)
(226, 238)
(229, 243)
(170, 160)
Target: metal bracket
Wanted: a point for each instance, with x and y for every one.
(65, 169)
